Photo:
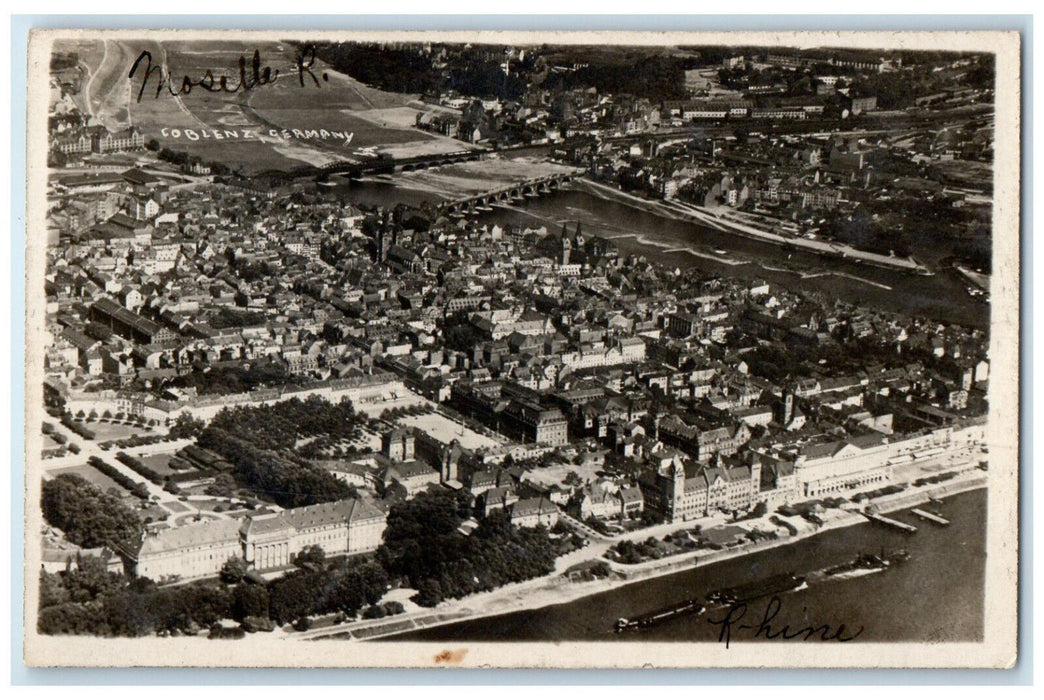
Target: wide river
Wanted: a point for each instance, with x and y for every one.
(937, 595)
(688, 245)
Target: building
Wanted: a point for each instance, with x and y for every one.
(703, 442)
(127, 140)
(190, 551)
(267, 541)
(409, 478)
(830, 467)
(398, 444)
(127, 324)
(858, 105)
(626, 351)
(530, 422)
(531, 512)
(682, 490)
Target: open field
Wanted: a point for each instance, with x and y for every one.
(968, 173)
(556, 473)
(329, 102)
(445, 430)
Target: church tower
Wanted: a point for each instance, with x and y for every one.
(755, 479)
(784, 410)
(788, 405)
(677, 489)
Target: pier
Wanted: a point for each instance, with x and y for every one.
(890, 522)
(931, 517)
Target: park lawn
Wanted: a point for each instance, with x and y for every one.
(92, 475)
(106, 432)
(160, 463)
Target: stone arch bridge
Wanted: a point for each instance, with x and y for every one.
(517, 192)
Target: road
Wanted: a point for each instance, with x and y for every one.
(93, 75)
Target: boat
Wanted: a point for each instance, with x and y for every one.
(779, 583)
(928, 514)
(867, 564)
(685, 607)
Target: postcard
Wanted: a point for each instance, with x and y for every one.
(522, 349)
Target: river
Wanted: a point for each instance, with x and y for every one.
(689, 245)
(935, 596)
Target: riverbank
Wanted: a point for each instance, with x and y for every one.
(556, 590)
(728, 221)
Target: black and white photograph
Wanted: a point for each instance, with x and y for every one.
(513, 349)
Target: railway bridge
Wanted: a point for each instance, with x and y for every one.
(384, 164)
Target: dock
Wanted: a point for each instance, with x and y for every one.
(884, 520)
(932, 517)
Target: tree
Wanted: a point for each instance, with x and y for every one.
(89, 579)
(311, 556)
(98, 331)
(89, 517)
(286, 479)
(52, 592)
(224, 485)
(249, 600)
(233, 570)
(186, 426)
(422, 543)
(297, 594)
